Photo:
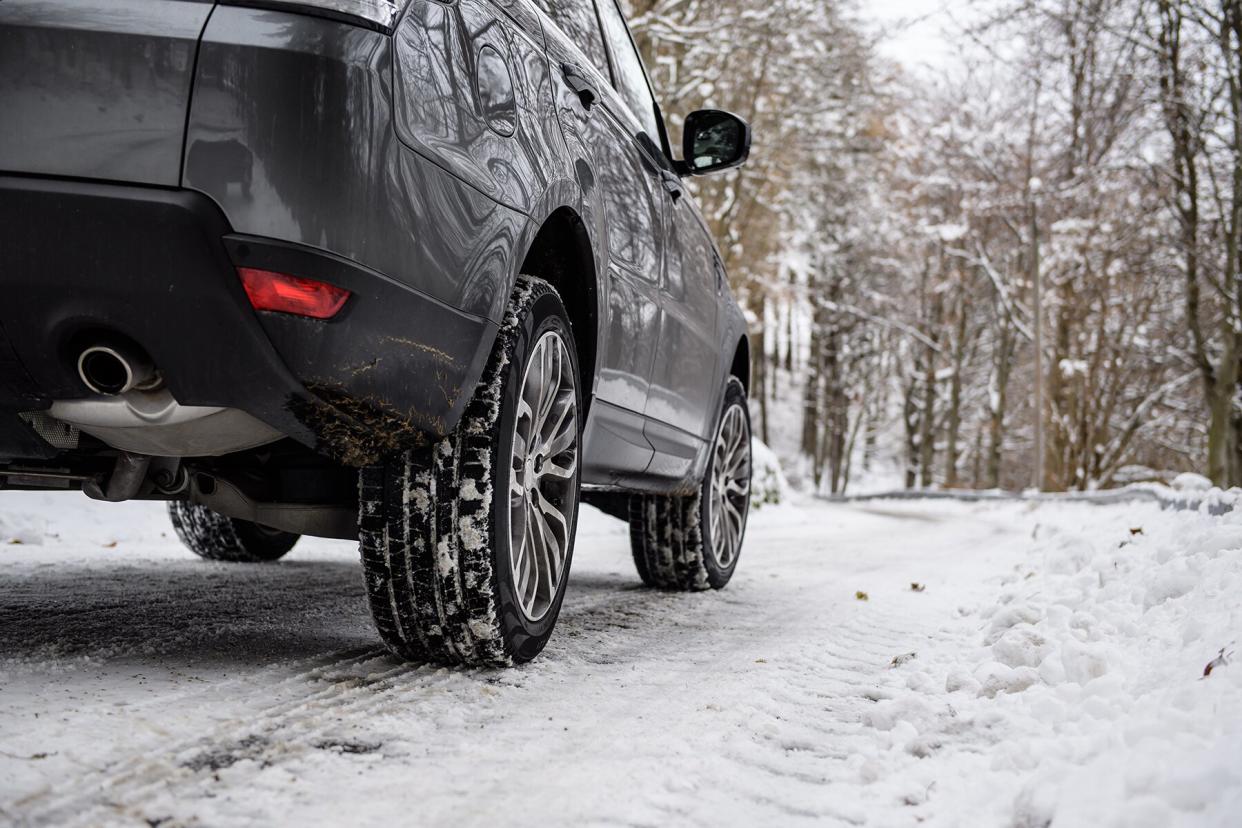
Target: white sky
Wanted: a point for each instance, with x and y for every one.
(922, 32)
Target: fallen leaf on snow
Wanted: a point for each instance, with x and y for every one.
(110, 545)
(862, 596)
(917, 587)
(34, 757)
(1136, 530)
(1220, 661)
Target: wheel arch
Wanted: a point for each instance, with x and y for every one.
(561, 253)
(740, 366)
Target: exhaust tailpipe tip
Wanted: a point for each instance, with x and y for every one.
(113, 369)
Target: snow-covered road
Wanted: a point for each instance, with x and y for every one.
(1049, 668)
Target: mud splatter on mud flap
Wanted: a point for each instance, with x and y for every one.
(359, 432)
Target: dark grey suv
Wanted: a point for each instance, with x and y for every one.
(422, 272)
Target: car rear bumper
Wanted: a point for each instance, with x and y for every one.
(81, 261)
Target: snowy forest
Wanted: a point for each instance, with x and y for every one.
(1024, 272)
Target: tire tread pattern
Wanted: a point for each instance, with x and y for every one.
(667, 541)
(667, 538)
(213, 536)
(426, 526)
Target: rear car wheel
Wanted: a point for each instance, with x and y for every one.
(693, 542)
(466, 545)
(215, 537)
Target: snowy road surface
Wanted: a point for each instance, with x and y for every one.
(1049, 670)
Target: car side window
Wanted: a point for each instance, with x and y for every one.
(576, 18)
(631, 79)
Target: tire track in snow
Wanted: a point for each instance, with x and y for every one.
(779, 671)
(829, 676)
(122, 782)
(290, 727)
(807, 754)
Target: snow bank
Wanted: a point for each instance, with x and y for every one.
(768, 483)
(1191, 482)
(1188, 492)
(1086, 692)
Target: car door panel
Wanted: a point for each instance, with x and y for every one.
(685, 374)
(626, 180)
(617, 452)
(615, 174)
(626, 184)
(674, 452)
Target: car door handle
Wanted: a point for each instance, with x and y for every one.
(672, 184)
(578, 82)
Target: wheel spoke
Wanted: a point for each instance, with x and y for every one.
(545, 553)
(522, 565)
(564, 431)
(526, 405)
(733, 520)
(559, 526)
(550, 564)
(551, 469)
(545, 465)
(547, 388)
(739, 467)
(716, 521)
(535, 555)
(720, 544)
(740, 436)
(730, 487)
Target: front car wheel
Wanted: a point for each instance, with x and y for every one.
(213, 536)
(692, 542)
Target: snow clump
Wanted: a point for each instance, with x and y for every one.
(1104, 689)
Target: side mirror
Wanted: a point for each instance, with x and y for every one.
(714, 140)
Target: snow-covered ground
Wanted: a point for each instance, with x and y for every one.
(1047, 669)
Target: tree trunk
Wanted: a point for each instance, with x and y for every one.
(776, 357)
(910, 417)
(1223, 439)
(789, 340)
(996, 406)
(953, 425)
(977, 459)
(811, 391)
(849, 450)
(927, 432)
(758, 342)
(1057, 404)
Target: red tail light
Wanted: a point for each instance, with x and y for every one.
(271, 291)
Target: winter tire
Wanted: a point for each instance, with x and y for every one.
(693, 542)
(215, 537)
(466, 545)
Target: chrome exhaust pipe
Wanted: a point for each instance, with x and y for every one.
(115, 369)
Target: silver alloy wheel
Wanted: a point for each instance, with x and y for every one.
(543, 475)
(730, 495)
